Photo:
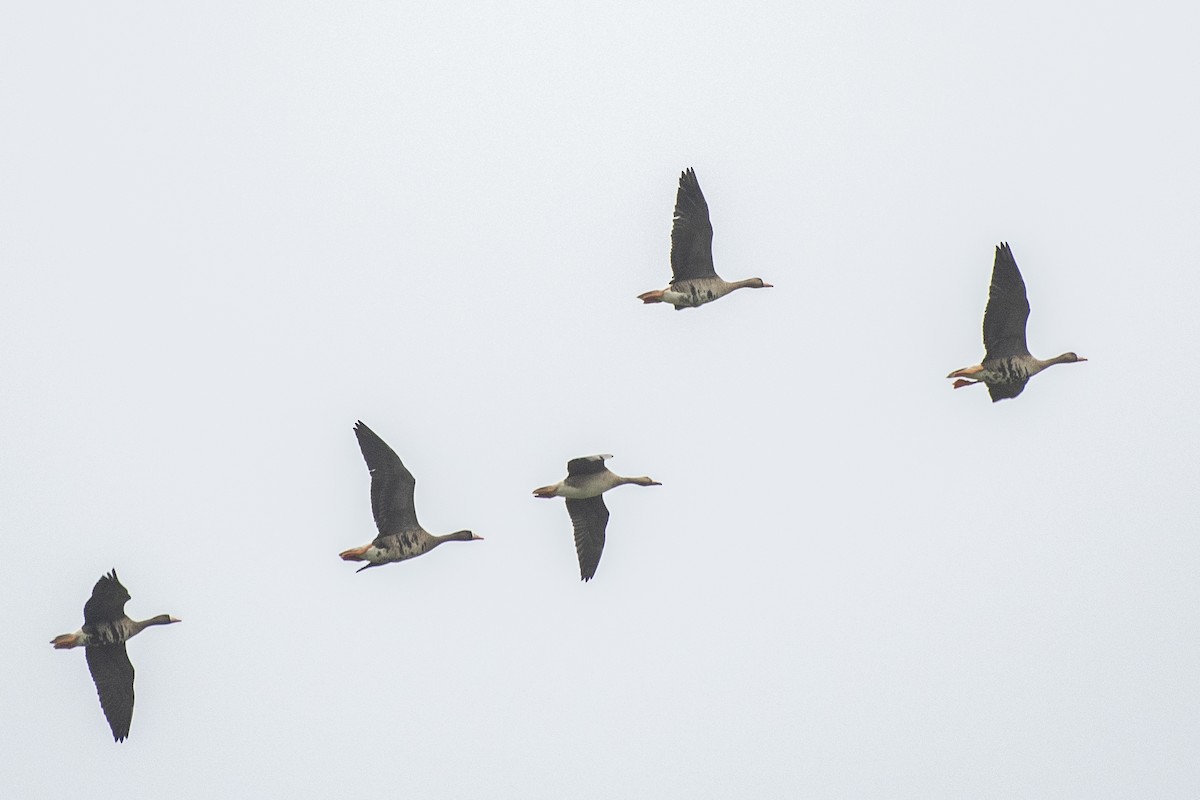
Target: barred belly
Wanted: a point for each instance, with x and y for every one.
(1005, 370)
(402, 546)
(689, 294)
(100, 634)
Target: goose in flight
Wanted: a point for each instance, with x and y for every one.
(586, 482)
(1007, 365)
(103, 635)
(694, 281)
(400, 535)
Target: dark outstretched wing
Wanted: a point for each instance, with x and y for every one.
(113, 675)
(1006, 391)
(1007, 309)
(692, 233)
(391, 484)
(107, 602)
(589, 518)
(587, 465)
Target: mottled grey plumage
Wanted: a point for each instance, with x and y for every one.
(1009, 377)
(400, 537)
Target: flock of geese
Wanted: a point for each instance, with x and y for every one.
(1006, 367)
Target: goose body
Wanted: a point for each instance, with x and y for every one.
(1007, 364)
(586, 482)
(105, 630)
(400, 537)
(694, 280)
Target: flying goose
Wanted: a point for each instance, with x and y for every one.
(586, 482)
(104, 633)
(400, 535)
(694, 282)
(1007, 365)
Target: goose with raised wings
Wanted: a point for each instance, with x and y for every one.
(400, 537)
(694, 280)
(1007, 365)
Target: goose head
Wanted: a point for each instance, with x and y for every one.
(1066, 358)
(644, 480)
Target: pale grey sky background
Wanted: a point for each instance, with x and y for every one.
(232, 229)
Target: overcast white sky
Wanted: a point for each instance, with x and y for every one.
(232, 229)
